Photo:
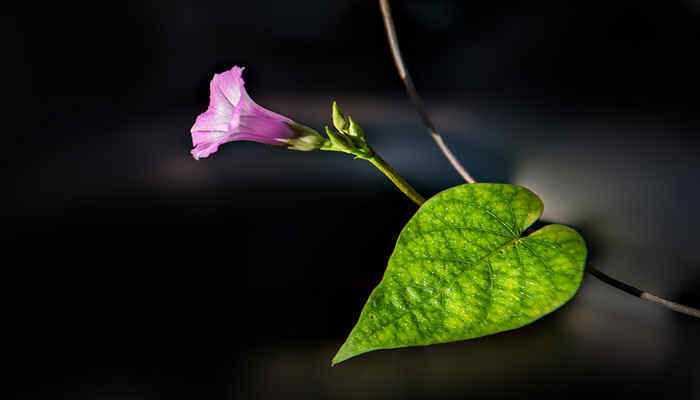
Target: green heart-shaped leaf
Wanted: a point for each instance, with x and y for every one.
(461, 269)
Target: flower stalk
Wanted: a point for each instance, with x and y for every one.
(394, 176)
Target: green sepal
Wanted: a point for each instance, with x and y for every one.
(307, 143)
(307, 139)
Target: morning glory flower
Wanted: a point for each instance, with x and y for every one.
(233, 115)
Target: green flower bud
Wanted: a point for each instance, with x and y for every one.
(355, 130)
(339, 120)
(339, 140)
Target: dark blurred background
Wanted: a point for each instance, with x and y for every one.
(135, 272)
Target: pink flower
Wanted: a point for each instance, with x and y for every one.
(233, 115)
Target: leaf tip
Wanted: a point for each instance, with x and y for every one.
(347, 351)
(342, 355)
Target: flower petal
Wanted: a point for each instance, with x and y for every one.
(207, 147)
(249, 107)
(226, 89)
(211, 120)
(212, 129)
(263, 130)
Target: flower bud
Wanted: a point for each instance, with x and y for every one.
(339, 120)
(355, 130)
(339, 140)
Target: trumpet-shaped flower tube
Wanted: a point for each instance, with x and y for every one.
(233, 115)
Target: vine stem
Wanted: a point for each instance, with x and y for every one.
(394, 176)
(413, 93)
(642, 294)
(420, 107)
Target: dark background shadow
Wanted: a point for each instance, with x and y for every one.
(136, 272)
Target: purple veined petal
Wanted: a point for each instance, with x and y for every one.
(212, 120)
(209, 142)
(225, 89)
(212, 129)
(263, 130)
(251, 137)
(203, 137)
(250, 107)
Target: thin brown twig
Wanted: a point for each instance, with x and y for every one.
(693, 312)
(413, 94)
(420, 107)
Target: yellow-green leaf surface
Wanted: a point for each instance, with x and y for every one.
(461, 269)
